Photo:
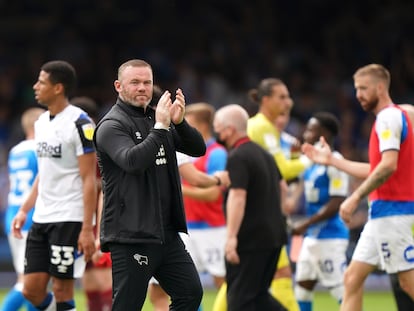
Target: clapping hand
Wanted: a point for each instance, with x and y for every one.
(162, 113)
(177, 109)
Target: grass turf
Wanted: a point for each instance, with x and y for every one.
(373, 301)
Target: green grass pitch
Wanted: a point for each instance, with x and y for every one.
(373, 301)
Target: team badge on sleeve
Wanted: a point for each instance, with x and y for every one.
(385, 134)
(87, 130)
(336, 183)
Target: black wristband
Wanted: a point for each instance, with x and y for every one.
(218, 181)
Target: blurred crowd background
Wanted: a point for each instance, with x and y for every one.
(215, 50)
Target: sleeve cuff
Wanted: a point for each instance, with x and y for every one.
(160, 126)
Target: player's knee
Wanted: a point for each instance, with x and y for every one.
(33, 293)
(29, 295)
(218, 281)
(283, 272)
(303, 294)
(158, 297)
(349, 279)
(63, 289)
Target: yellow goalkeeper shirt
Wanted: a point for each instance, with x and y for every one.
(264, 133)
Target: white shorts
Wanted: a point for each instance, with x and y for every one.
(206, 247)
(18, 250)
(387, 243)
(322, 260)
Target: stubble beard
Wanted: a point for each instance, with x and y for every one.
(370, 105)
(135, 101)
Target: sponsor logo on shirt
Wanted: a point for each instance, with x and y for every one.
(45, 150)
(161, 159)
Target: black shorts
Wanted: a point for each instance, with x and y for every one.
(52, 248)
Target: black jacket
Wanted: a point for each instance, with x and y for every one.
(128, 147)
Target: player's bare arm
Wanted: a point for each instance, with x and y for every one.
(322, 154)
(87, 169)
(236, 204)
(379, 175)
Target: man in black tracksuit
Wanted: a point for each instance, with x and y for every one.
(143, 209)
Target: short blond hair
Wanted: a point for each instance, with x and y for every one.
(376, 71)
(202, 112)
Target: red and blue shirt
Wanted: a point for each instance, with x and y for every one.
(393, 130)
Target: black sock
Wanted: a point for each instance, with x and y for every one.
(65, 305)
